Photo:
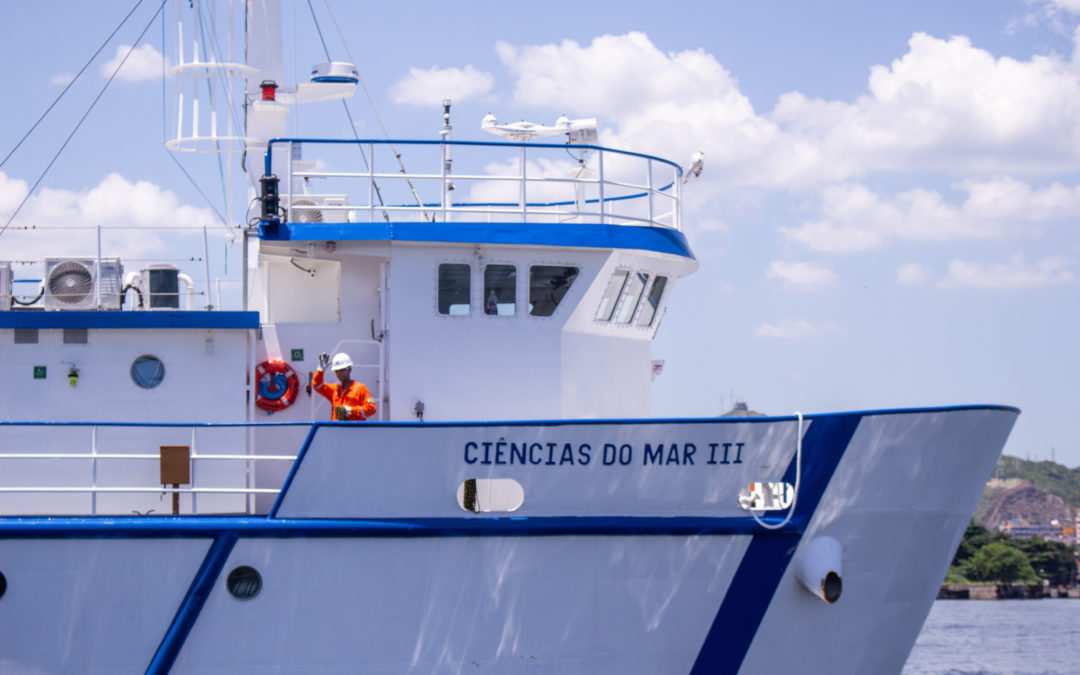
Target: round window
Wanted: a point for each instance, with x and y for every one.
(147, 371)
(244, 582)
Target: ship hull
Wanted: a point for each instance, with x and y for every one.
(629, 553)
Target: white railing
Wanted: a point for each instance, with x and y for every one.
(113, 472)
(492, 182)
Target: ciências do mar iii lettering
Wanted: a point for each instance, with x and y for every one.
(566, 453)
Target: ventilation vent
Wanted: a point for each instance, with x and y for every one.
(73, 284)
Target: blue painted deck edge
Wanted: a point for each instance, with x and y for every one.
(639, 237)
(127, 320)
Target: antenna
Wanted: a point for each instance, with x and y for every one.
(448, 157)
(578, 132)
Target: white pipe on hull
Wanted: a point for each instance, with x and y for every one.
(818, 568)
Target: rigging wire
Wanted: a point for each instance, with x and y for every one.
(70, 84)
(371, 102)
(82, 119)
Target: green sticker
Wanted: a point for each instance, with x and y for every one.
(298, 355)
(39, 372)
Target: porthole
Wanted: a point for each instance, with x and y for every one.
(3, 584)
(484, 495)
(244, 582)
(147, 371)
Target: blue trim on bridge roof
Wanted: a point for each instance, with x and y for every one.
(131, 319)
(640, 237)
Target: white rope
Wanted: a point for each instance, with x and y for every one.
(798, 475)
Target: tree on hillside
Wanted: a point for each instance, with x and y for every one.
(975, 537)
(1051, 560)
(999, 562)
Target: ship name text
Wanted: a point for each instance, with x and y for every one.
(503, 452)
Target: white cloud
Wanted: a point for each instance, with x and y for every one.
(800, 274)
(429, 87)
(145, 63)
(944, 105)
(950, 105)
(853, 218)
(61, 79)
(1016, 273)
(796, 329)
(114, 203)
(668, 104)
(912, 274)
(1072, 6)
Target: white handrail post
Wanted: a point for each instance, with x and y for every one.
(601, 162)
(445, 191)
(93, 470)
(678, 201)
(206, 268)
(288, 177)
(371, 183)
(522, 160)
(648, 170)
(97, 271)
(194, 456)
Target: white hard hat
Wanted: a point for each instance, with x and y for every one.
(341, 360)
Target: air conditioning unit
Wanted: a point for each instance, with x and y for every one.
(5, 286)
(158, 285)
(73, 283)
(310, 209)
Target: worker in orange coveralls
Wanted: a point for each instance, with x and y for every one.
(350, 400)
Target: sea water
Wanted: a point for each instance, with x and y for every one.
(988, 637)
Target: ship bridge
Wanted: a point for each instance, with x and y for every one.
(539, 274)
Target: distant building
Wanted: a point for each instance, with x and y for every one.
(1049, 531)
(742, 410)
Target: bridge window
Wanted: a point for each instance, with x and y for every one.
(548, 285)
(631, 295)
(454, 289)
(652, 302)
(500, 290)
(611, 295)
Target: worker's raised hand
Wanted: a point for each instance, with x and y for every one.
(324, 361)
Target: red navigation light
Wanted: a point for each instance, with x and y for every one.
(268, 89)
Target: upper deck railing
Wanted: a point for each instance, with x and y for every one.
(473, 181)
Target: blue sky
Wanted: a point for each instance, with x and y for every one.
(887, 216)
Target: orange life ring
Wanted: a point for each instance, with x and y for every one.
(276, 385)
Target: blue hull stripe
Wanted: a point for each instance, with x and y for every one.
(767, 558)
(161, 527)
(192, 604)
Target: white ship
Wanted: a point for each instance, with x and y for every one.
(173, 498)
